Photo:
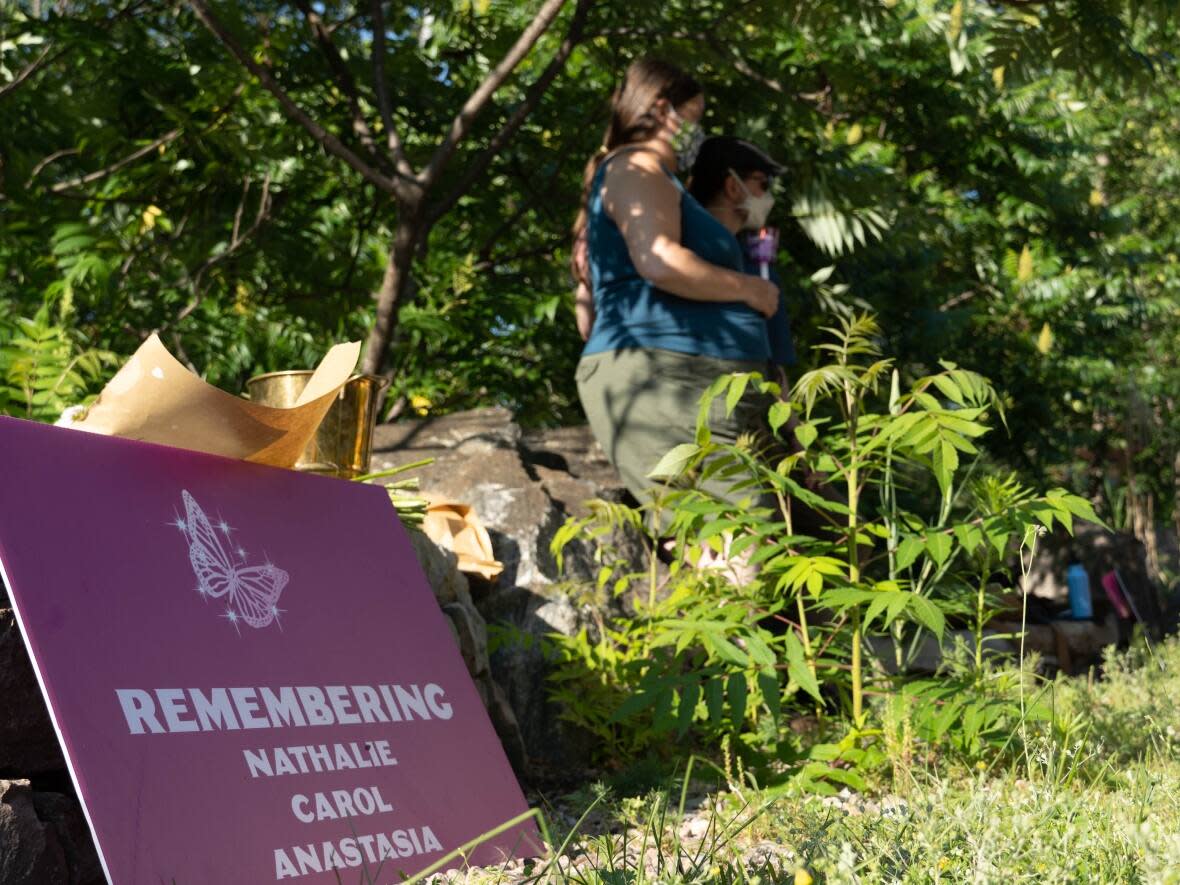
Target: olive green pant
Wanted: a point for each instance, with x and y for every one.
(641, 403)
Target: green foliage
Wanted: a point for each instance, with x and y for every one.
(45, 367)
(975, 172)
(757, 621)
(1094, 799)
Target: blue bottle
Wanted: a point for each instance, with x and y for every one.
(1080, 604)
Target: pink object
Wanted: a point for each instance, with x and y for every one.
(249, 675)
(1110, 583)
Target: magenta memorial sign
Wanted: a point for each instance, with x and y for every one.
(250, 678)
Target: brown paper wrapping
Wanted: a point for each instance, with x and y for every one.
(156, 399)
(455, 527)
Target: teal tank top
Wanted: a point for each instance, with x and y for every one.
(630, 312)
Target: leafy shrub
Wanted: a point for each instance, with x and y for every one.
(910, 534)
(46, 366)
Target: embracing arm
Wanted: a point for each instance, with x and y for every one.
(584, 310)
(645, 204)
(583, 297)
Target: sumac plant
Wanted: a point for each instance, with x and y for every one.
(905, 529)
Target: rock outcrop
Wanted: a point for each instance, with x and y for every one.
(44, 838)
(28, 745)
(470, 632)
(523, 486)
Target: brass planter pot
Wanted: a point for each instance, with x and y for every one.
(343, 444)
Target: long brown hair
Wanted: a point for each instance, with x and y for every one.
(632, 119)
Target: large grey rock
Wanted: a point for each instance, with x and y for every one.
(63, 815)
(556, 749)
(28, 744)
(444, 432)
(471, 636)
(523, 486)
(30, 852)
(441, 568)
(44, 839)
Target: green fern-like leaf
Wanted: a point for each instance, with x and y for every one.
(44, 368)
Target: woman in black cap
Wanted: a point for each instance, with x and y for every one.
(732, 178)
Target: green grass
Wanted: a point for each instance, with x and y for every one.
(1094, 799)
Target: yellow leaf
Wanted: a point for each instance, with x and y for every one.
(148, 218)
(1097, 198)
(1024, 269)
(998, 77)
(956, 27)
(855, 134)
(241, 299)
(420, 404)
(802, 877)
(956, 20)
(1045, 339)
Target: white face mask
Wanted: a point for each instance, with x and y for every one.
(757, 209)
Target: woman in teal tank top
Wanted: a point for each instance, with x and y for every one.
(671, 306)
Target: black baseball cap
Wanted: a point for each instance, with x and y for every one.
(718, 155)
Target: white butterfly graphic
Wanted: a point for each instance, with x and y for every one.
(253, 591)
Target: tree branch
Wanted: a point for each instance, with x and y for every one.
(342, 75)
(633, 31)
(742, 67)
(27, 71)
(821, 98)
(507, 224)
(63, 188)
(326, 139)
(92, 198)
(476, 102)
(91, 177)
(237, 238)
(485, 265)
(41, 164)
(362, 229)
(532, 96)
(392, 139)
(47, 55)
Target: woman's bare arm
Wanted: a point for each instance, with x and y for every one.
(584, 310)
(645, 204)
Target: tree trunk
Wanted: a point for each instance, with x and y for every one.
(1176, 491)
(395, 287)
